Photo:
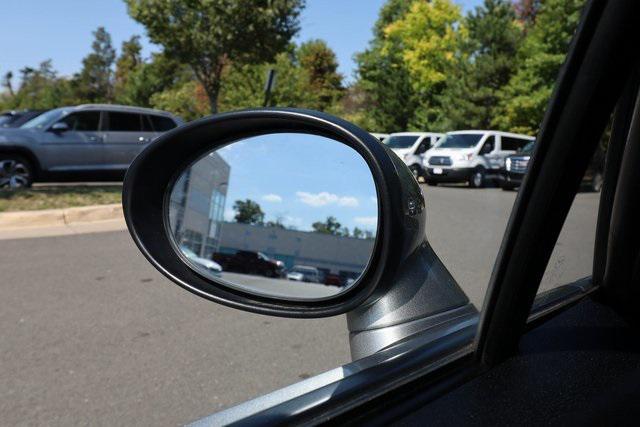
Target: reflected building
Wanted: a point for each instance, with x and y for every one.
(343, 256)
(197, 205)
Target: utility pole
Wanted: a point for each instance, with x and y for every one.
(268, 86)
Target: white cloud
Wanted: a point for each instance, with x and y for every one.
(369, 221)
(348, 201)
(229, 214)
(324, 198)
(273, 198)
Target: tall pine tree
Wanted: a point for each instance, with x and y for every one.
(471, 97)
(524, 100)
(94, 83)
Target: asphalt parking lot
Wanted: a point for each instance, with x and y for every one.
(92, 334)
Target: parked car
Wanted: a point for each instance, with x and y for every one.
(332, 280)
(211, 266)
(410, 147)
(91, 142)
(515, 167)
(249, 262)
(472, 156)
(16, 118)
(381, 136)
(303, 273)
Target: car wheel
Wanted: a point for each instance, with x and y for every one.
(417, 172)
(15, 172)
(596, 183)
(477, 179)
(432, 183)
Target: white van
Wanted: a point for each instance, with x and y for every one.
(472, 156)
(411, 146)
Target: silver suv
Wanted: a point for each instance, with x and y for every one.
(88, 142)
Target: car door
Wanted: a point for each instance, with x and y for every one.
(126, 134)
(77, 149)
(489, 152)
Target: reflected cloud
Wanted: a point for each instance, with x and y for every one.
(325, 198)
(272, 198)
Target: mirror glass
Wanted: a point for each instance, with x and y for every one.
(284, 215)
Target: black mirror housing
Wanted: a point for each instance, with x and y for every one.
(401, 225)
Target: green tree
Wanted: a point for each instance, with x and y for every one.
(7, 83)
(320, 64)
(470, 97)
(430, 36)
(156, 76)
(524, 99)
(94, 83)
(128, 62)
(383, 93)
(306, 76)
(188, 101)
(41, 88)
(248, 212)
(526, 11)
(211, 34)
(244, 84)
(329, 226)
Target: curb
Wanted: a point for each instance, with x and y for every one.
(57, 217)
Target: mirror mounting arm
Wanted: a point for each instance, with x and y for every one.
(422, 296)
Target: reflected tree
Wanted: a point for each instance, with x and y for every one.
(248, 212)
(330, 226)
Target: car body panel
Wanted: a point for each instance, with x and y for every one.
(79, 153)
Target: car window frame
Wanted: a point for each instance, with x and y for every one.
(108, 120)
(100, 120)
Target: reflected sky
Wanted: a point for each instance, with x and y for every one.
(299, 179)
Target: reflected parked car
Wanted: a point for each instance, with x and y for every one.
(211, 266)
(249, 262)
(332, 280)
(92, 142)
(303, 273)
(16, 118)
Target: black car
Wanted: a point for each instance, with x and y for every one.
(16, 118)
(249, 262)
(515, 166)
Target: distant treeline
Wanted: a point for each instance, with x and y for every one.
(427, 67)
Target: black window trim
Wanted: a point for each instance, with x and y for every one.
(106, 123)
(589, 85)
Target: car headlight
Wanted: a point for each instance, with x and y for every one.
(465, 157)
(507, 164)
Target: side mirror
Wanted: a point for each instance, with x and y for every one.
(313, 195)
(59, 127)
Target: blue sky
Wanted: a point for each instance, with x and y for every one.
(35, 30)
(301, 179)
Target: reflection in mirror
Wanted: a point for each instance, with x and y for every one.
(283, 215)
